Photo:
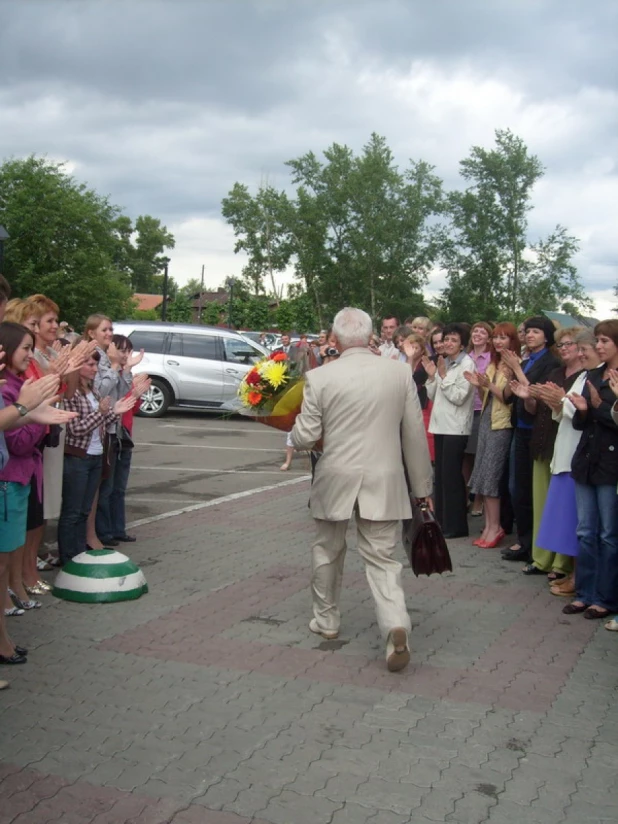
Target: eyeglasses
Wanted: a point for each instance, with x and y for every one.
(566, 343)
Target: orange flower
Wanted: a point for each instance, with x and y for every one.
(278, 356)
(254, 398)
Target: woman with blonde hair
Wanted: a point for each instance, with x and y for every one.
(113, 381)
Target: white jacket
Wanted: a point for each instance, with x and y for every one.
(453, 399)
(567, 438)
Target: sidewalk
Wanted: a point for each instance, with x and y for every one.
(208, 701)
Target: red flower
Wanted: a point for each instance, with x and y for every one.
(278, 356)
(253, 378)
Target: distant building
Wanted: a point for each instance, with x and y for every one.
(147, 302)
(563, 320)
(200, 300)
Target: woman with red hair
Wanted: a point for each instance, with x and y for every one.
(495, 431)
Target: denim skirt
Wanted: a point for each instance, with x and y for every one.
(13, 515)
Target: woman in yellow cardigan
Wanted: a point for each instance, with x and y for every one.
(495, 432)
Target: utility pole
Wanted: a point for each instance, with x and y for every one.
(164, 306)
(199, 309)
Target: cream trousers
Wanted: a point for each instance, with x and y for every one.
(377, 541)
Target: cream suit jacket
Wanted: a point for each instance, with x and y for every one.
(367, 411)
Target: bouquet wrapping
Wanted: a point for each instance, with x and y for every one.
(272, 391)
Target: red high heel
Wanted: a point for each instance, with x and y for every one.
(492, 544)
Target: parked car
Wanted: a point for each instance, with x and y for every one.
(191, 366)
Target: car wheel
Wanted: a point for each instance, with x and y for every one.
(156, 401)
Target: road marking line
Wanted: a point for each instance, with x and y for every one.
(216, 501)
(205, 446)
(211, 471)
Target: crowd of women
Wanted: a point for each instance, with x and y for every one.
(523, 430)
(66, 415)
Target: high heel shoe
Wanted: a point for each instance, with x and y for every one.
(492, 544)
(40, 588)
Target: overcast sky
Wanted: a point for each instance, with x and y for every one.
(164, 104)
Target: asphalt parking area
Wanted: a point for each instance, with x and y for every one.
(188, 458)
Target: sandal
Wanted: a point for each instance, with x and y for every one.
(592, 613)
(612, 625)
(574, 608)
(554, 575)
(13, 612)
(530, 569)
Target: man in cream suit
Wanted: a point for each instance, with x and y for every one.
(366, 409)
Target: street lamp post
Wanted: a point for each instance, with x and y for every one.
(164, 306)
(4, 235)
(230, 286)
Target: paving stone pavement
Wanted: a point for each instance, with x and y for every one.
(208, 701)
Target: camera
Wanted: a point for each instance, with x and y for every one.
(331, 352)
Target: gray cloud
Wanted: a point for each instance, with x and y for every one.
(164, 104)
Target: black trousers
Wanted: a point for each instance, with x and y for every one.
(451, 502)
(522, 498)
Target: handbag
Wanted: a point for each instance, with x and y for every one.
(424, 542)
(126, 441)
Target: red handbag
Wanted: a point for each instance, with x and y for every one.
(424, 542)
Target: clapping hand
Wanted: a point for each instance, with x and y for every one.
(104, 405)
(595, 398)
(510, 358)
(33, 392)
(411, 350)
(429, 366)
(441, 366)
(47, 414)
(141, 385)
(579, 402)
(124, 404)
(80, 354)
(612, 375)
(520, 389)
(134, 359)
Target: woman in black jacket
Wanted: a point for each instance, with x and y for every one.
(595, 471)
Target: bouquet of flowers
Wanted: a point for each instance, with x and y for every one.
(272, 392)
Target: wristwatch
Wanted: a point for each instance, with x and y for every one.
(23, 411)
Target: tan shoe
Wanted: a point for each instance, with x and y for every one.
(397, 650)
(565, 587)
(330, 635)
(4, 685)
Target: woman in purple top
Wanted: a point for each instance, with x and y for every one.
(25, 462)
(480, 352)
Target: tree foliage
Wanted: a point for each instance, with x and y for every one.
(71, 243)
(358, 230)
(493, 268)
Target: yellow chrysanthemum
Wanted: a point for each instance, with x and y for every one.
(275, 373)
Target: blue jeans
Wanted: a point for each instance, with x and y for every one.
(596, 573)
(116, 499)
(80, 480)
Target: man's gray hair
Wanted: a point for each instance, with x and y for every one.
(352, 327)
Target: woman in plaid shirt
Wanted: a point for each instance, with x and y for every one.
(83, 457)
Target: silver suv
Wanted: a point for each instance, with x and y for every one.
(192, 366)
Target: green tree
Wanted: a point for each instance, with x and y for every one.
(493, 269)
(362, 230)
(260, 224)
(180, 310)
(66, 241)
(146, 256)
(358, 230)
